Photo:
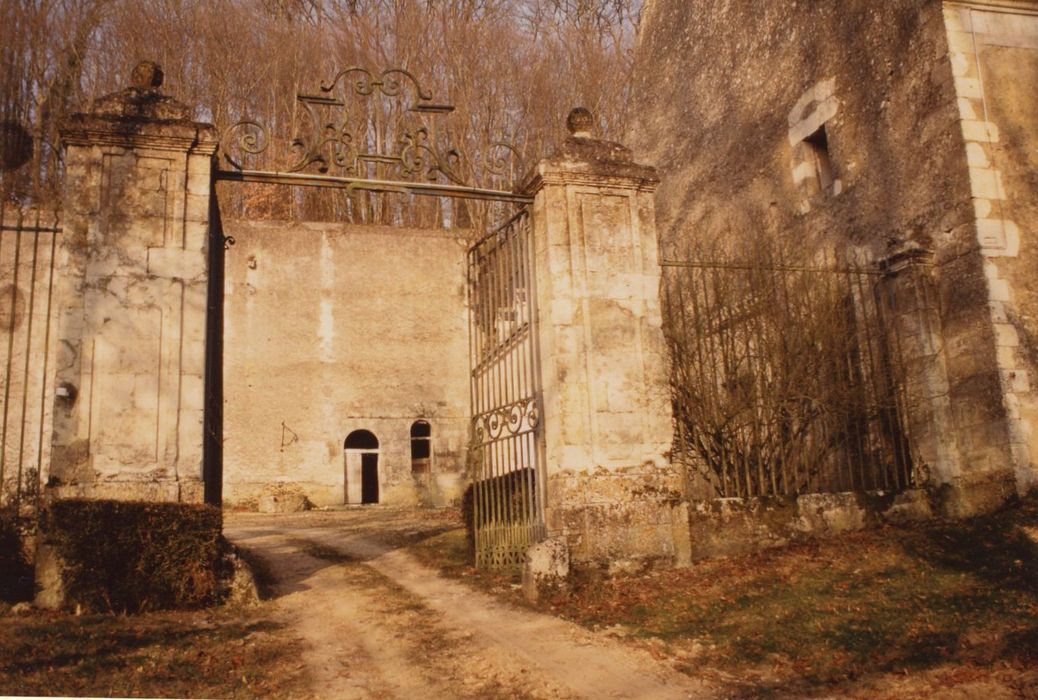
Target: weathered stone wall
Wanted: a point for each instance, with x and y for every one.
(331, 328)
(839, 124)
(720, 90)
(729, 526)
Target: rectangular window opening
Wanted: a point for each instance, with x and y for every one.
(818, 146)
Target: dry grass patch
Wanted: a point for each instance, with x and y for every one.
(449, 553)
(830, 613)
(221, 653)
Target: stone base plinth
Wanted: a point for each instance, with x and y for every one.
(164, 490)
(731, 526)
(976, 493)
(620, 518)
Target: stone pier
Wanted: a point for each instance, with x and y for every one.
(128, 414)
(611, 490)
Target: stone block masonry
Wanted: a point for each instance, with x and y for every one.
(993, 52)
(923, 112)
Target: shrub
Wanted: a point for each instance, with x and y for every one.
(135, 556)
(16, 572)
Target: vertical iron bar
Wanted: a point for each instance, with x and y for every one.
(486, 449)
(536, 438)
(511, 339)
(886, 409)
(46, 364)
(877, 394)
(28, 355)
(795, 460)
(904, 467)
(896, 371)
(474, 408)
(708, 337)
(7, 376)
(497, 398)
(529, 464)
(501, 384)
(10, 349)
(515, 344)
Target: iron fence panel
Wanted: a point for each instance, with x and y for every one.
(28, 251)
(786, 380)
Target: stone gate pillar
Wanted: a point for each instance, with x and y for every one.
(943, 427)
(917, 340)
(130, 392)
(611, 491)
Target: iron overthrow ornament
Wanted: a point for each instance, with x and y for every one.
(374, 131)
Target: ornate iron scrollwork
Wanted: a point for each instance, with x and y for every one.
(506, 421)
(363, 121)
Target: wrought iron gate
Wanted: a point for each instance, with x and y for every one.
(507, 461)
(28, 247)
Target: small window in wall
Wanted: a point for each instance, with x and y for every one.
(817, 145)
(421, 447)
(810, 132)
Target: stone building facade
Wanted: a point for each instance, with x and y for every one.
(339, 354)
(331, 330)
(900, 132)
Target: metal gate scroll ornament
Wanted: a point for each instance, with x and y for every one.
(363, 122)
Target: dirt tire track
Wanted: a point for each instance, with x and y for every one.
(380, 624)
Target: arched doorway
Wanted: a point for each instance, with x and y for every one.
(361, 465)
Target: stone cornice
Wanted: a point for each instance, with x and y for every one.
(162, 135)
(907, 254)
(141, 117)
(574, 178)
(592, 163)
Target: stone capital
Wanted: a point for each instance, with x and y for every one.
(591, 162)
(95, 129)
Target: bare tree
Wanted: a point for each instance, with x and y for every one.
(511, 68)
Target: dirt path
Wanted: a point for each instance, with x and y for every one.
(380, 624)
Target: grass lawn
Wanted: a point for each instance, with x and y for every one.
(820, 616)
(221, 653)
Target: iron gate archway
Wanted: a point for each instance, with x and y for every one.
(389, 144)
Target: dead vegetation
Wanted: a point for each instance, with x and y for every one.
(786, 373)
(889, 612)
(893, 612)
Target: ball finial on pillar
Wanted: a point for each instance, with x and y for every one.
(580, 123)
(147, 75)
